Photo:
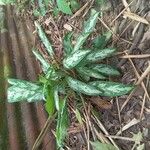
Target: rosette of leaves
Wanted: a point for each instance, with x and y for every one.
(74, 74)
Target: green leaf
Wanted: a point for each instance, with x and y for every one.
(103, 5)
(51, 74)
(83, 76)
(45, 40)
(98, 55)
(101, 41)
(105, 69)
(36, 13)
(87, 30)
(55, 11)
(23, 90)
(74, 58)
(63, 6)
(42, 7)
(82, 87)
(5, 2)
(68, 47)
(47, 68)
(100, 2)
(90, 72)
(74, 5)
(89, 25)
(62, 124)
(112, 89)
(46, 3)
(44, 63)
(50, 102)
(102, 146)
(78, 116)
(56, 98)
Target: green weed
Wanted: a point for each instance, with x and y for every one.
(79, 73)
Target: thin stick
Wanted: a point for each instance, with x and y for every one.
(80, 10)
(120, 137)
(144, 100)
(87, 122)
(146, 72)
(127, 100)
(121, 13)
(88, 9)
(88, 132)
(138, 76)
(142, 84)
(115, 36)
(105, 131)
(128, 125)
(136, 56)
(126, 5)
(118, 108)
(43, 132)
(143, 104)
(101, 136)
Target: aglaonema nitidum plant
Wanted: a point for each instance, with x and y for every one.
(73, 74)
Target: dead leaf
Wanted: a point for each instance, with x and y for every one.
(135, 17)
(103, 104)
(67, 27)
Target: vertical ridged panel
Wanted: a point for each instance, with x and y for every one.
(20, 123)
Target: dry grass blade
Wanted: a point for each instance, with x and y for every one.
(88, 8)
(114, 35)
(80, 10)
(136, 56)
(118, 108)
(121, 12)
(43, 132)
(104, 130)
(87, 119)
(143, 104)
(120, 137)
(144, 100)
(127, 100)
(142, 84)
(126, 5)
(146, 72)
(101, 137)
(138, 76)
(127, 126)
(87, 131)
(135, 17)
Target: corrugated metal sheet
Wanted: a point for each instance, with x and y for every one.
(20, 123)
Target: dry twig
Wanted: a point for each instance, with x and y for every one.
(142, 84)
(136, 56)
(128, 125)
(104, 130)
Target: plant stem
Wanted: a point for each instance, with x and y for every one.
(43, 132)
